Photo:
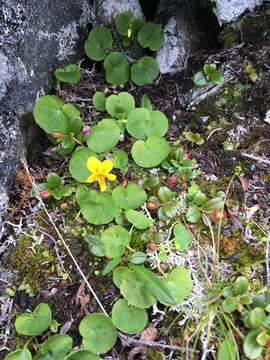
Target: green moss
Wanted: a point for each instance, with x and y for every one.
(229, 37)
(232, 97)
(253, 28)
(33, 262)
(154, 354)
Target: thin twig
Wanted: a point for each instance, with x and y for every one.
(61, 238)
(256, 158)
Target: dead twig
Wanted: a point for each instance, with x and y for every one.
(256, 158)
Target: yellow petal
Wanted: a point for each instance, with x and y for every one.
(111, 177)
(107, 166)
(102, 183)
(93, 164)
(91, 178)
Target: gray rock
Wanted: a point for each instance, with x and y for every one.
(228, 10)
(105, 11)
(35, 38)
(183, 37)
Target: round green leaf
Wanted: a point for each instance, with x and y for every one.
(179, 283)
(227, 350)
(99, 101)
(78, 164)
(54, 181)
(120, 160)
(23, 354)
(33, 324)
(138, 258)
(98, 332)
(98, 43)
(123, 22)
(209, 68)
(119, 106)
(117, 275)
(135, 292)
(217, 77)
(128, 318)
(240, 285)
(151, 152)
(130, 197)
(252, 349)
(193, 214)
(49, 115)
(104, 136)
(151, 35)
(116, 68)
(57, 346)
(143, 123)
(115, 239)
(145, 71)
(199, 79)
(256, 317)
(82, 355)
(97, 208)
(183, 237)
(139, 220)
(69, 74)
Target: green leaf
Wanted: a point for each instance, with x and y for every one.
(146, 102)
(143, 123)
(151, 152)
(115, 239)
(131, 197)
(139, 220)
(82, 355)
(209, 69)
(54, 181)
(78, 164)
(33, 324)
(151, 35)
(256, 317)
(116, 68)
(151, 181)
(104, 136)
(98, 43)
(135, 291)
(217, 77)
(229, 305)
(193, 214)
(111, 265)
(69, 74)
(119, 106)
(128, 318)
(179, 285)
(154, 284)
(138, 258)
(123, 22)
(97, 208)
(227, 350)
(99, 101)
(117, 275)
(199, 79)
(57, 346)
(98, 332)
(252, 349)
(65, 191)
(240, 285)
(182, 237)
(96, 247)
(199, 198)
(165, 194)
(216, 203)
(145, 71)
(120, 160)
(263, 338)
(23, 354)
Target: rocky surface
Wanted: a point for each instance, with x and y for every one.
(183, 37)
(229, 10)
(35, 37)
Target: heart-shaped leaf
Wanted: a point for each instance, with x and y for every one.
(123, 22)
(33, 324)
(119, 106)
(139, 220)
(98, 43)
(183, 237)
(120, 160)
(97, 208)
(128, 318)
(116, 68)
(252, 349)
(104, 136)
(23, 354)
(57, 346)
(78, 164)
(98, 332)
(145, 71)
(99, 101)
(69, 74)
(115, 239)
(131, 197)
(82, 355)
(151, 152)
(151, 35)
(54, 181)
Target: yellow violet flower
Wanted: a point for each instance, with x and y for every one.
(100, 171)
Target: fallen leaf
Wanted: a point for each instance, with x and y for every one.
(244, 182)
(149, 334)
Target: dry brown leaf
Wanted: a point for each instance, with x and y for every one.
(149, 334)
